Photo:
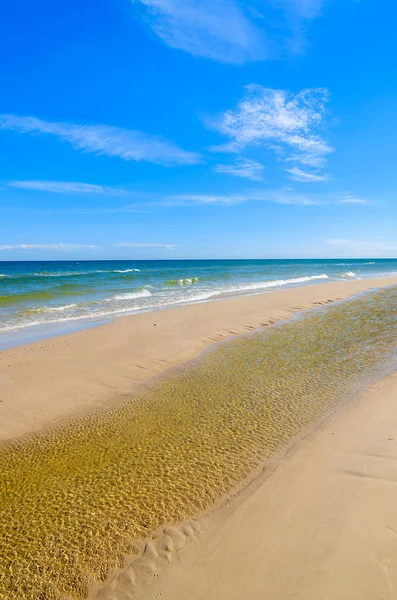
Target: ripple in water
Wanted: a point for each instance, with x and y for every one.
(75, 500)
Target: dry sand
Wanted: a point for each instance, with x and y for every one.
(43, 382)
(322, 526)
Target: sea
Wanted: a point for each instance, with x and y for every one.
(46, 298)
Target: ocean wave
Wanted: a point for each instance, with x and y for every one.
(112, 306)
(255, 286)
(58, 274)
(182, 281)
(59, 308)
(67, 273)
(40, 295)
(281, 282)
(44, 309)
(144, 293)
(369, 263)
(262, 285)
(30, 276)
(349, 274)
(78, 317)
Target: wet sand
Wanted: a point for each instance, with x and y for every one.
(46, 381)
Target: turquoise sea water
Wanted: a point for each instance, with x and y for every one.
(38, 299)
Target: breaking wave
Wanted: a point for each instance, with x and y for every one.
(144, 293)
(349, 274)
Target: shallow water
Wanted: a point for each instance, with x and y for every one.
(75, 500)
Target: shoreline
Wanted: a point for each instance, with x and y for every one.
(50, 380)
(53, 314)
(29, 334)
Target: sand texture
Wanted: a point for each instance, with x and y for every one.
(317, 522)
(47, 381)
(323, 526)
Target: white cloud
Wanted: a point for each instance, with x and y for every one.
(306, 9)
(67, 187)
(276, 196)
(298, 174)
(195, 199)
(243, 168)
(289, 124)
(144, 245)
(47, 246)
(362, 246)
(105, 140)
(216, 29)
(350, 199)
(228, 30)
(286, 195)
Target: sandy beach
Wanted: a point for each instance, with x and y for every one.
(198, 300)
(318, 522)
(323, 525)
(57, 378)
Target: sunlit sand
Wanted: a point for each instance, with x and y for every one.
(77, 499)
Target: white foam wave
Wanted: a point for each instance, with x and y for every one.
(262, 285)
(80, 317)
(42, 309)
(349, 274)
(113, 306)
(186, 280)
(60, 308)
(61, 274)
(369, 263)
(132, 295)
(67, 273)
(73, 273)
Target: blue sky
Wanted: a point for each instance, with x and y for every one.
(198, 129)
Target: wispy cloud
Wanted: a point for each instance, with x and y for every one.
(364, 246)
(249, 169)
(283, 195)
(47, 246)
(105, 140)
(298, 174)
(68, 187)
(197, 199)
(275, 196)
(351, 199)
(216, 29)
(228, 30)
(306, 9)
(144, 245)
(289, 124)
